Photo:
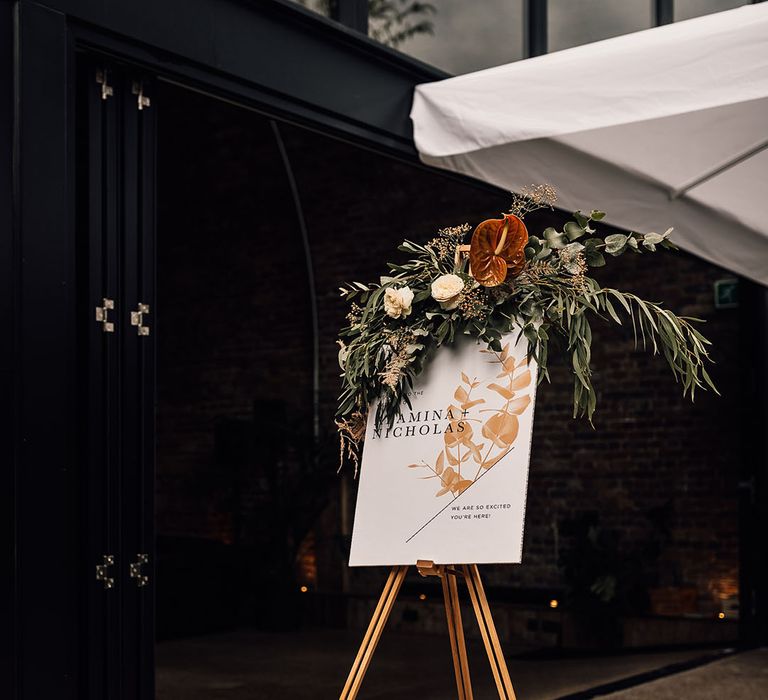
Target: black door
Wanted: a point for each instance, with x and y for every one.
(116, 212)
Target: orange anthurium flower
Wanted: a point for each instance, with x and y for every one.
(498, 248)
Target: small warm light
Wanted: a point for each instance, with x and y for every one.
(721, 615)
(553, 603)
(303, 589)
(422, 596)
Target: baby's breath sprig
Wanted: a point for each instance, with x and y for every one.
(532, 198)
(474, 304)
(444, 244)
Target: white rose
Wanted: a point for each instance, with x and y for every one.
(397, 302)
(446, 289)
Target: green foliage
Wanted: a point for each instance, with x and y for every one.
(394, 21)
(391, 22)
(553, 297)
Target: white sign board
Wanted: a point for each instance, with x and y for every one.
(447, 481)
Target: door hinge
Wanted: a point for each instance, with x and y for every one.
(106, 88)
(102, 571)
(134, 570)
(102, 315)
(137, 319)
(142, 100)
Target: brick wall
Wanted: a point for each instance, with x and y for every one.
(658, 472)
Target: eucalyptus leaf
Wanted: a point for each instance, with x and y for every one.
(615, 243)
(573, 230)
(652, 238)
(594, 258)
(554, 239)
(581, 219)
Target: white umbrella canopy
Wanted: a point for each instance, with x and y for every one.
(664, 127)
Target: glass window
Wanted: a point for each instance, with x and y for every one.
(322, 7)
(575, 22)
(455, 35)
(685, 9)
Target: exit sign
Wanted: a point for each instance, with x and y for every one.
(727, 293)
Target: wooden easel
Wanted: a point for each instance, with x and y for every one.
(448, 576)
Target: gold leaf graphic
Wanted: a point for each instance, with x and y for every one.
(509, 367)
(519, 405)
(458, 432)
(488, 463)
(451, 437)
(506, 393)
(461, 395)
(474, 450)
(448, 478)
(501, 429)
(521, 381)
(461, 485)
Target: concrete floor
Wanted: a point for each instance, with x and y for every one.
(739, 677)
(312, 665)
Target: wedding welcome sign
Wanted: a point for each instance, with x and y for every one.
(447, 480)
(434, 346)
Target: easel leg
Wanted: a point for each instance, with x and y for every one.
(373, 633)
(488, 632)
(456, 635)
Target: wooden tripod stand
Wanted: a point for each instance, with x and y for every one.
(448, 576)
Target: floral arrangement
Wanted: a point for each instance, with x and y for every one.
(505, 279)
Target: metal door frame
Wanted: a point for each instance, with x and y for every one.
(45, 646)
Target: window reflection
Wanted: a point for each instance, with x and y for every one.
(685, 9)
(322, 7)
(575, 22)
(460, 36)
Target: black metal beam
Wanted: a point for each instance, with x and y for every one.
(663, 12)
(351, 13)
(535, 12)
(46, 495)
(759, 460)
(753, 451)
(8, 416)
(292, 59)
